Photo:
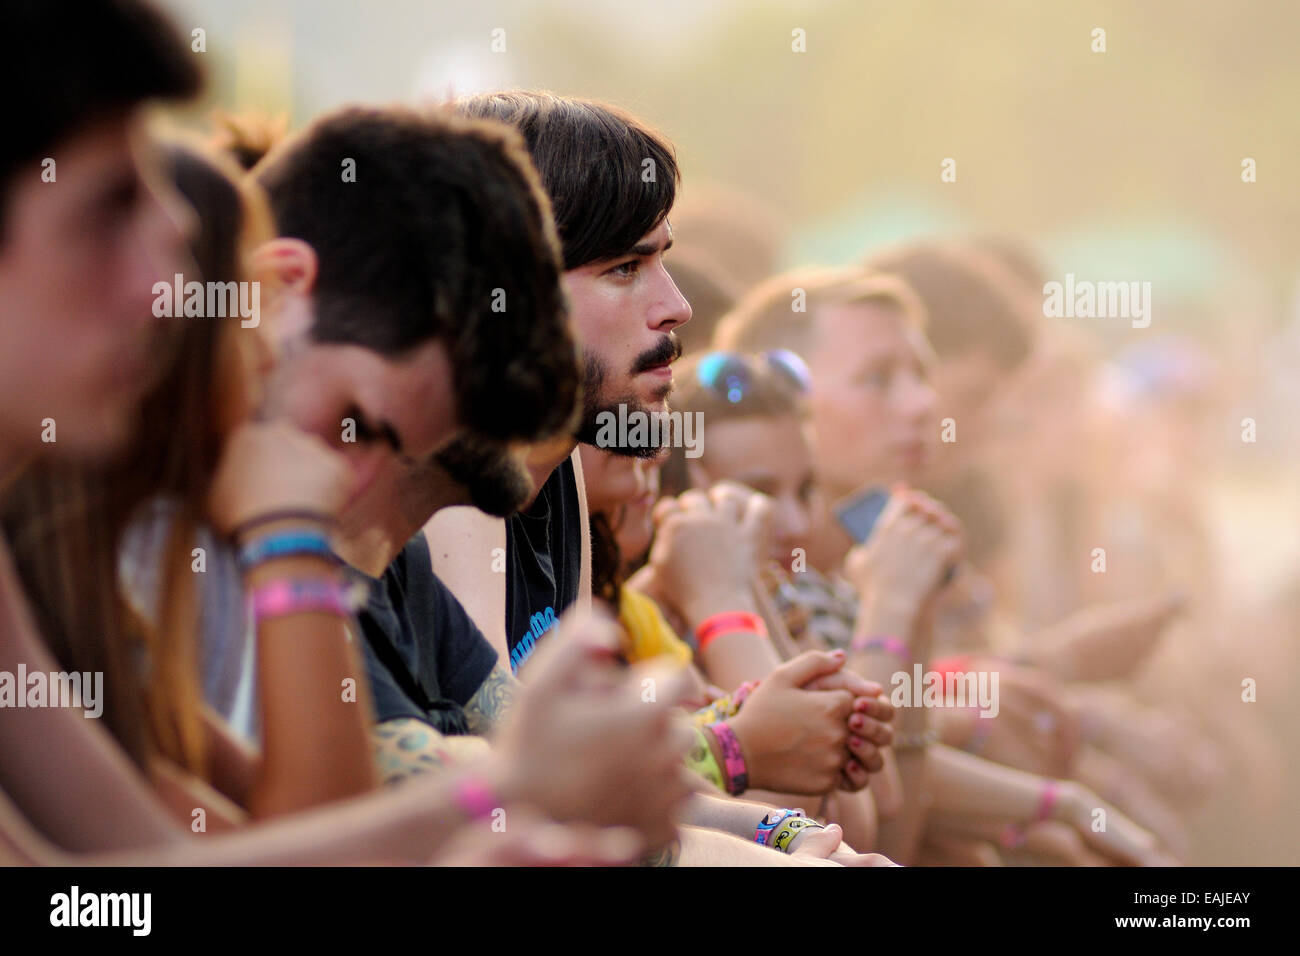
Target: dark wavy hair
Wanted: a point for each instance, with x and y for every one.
(444, 232)
(611, 178)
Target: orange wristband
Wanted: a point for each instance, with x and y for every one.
(729, 622)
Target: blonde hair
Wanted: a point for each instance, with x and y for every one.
(766, 318)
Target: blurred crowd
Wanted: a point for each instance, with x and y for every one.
(306, 475)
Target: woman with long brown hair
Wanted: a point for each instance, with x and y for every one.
(153, 521)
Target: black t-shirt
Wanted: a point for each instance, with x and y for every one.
(543, 562)
(425, 658)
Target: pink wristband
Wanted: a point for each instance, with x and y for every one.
(1047, 801)
(474, 797)
(890, 645)
(733, 760)
(728, 622)
(293, 596)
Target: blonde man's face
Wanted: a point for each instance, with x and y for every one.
(873, 410)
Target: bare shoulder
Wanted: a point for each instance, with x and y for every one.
(467, 549)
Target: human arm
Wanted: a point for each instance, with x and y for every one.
(966, 788)
(1103, 642)
(702, 563)
(266, 470)
(492, 702)
(102, 810)
(468, 549)
(898, 574)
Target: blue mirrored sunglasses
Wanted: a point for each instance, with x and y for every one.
(731, 374)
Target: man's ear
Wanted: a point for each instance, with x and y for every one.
(288, 264)
(286, 269)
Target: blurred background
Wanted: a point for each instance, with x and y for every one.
(1119, 165)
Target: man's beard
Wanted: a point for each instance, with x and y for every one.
(595, 406)
(497, 483)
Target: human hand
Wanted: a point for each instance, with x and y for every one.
(270, 466)
(905, 560)
(828, 844)
(588, 741)
(870, 725)
(706, 550)
(794, 738)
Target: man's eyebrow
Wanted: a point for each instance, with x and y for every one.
(650, 248)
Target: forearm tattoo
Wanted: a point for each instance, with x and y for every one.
(491, 702)
(405, 747)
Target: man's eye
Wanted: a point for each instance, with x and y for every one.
(626, 269)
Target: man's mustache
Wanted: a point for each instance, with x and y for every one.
(668, 350)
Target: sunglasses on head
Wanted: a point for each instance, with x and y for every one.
(731, 374)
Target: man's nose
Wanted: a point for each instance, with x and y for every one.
(672, 309)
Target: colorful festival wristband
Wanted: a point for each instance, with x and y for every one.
(700, 759)
(286, 544)
(767, 826)
(742, 694)
(1014, 835)
(720, 709)
(890, 645)
(733, 760)
(474, 797)
(288, 514)
(1047, 802)
(723, 707)
(729, 622)
(293, 596)
(788, 830)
